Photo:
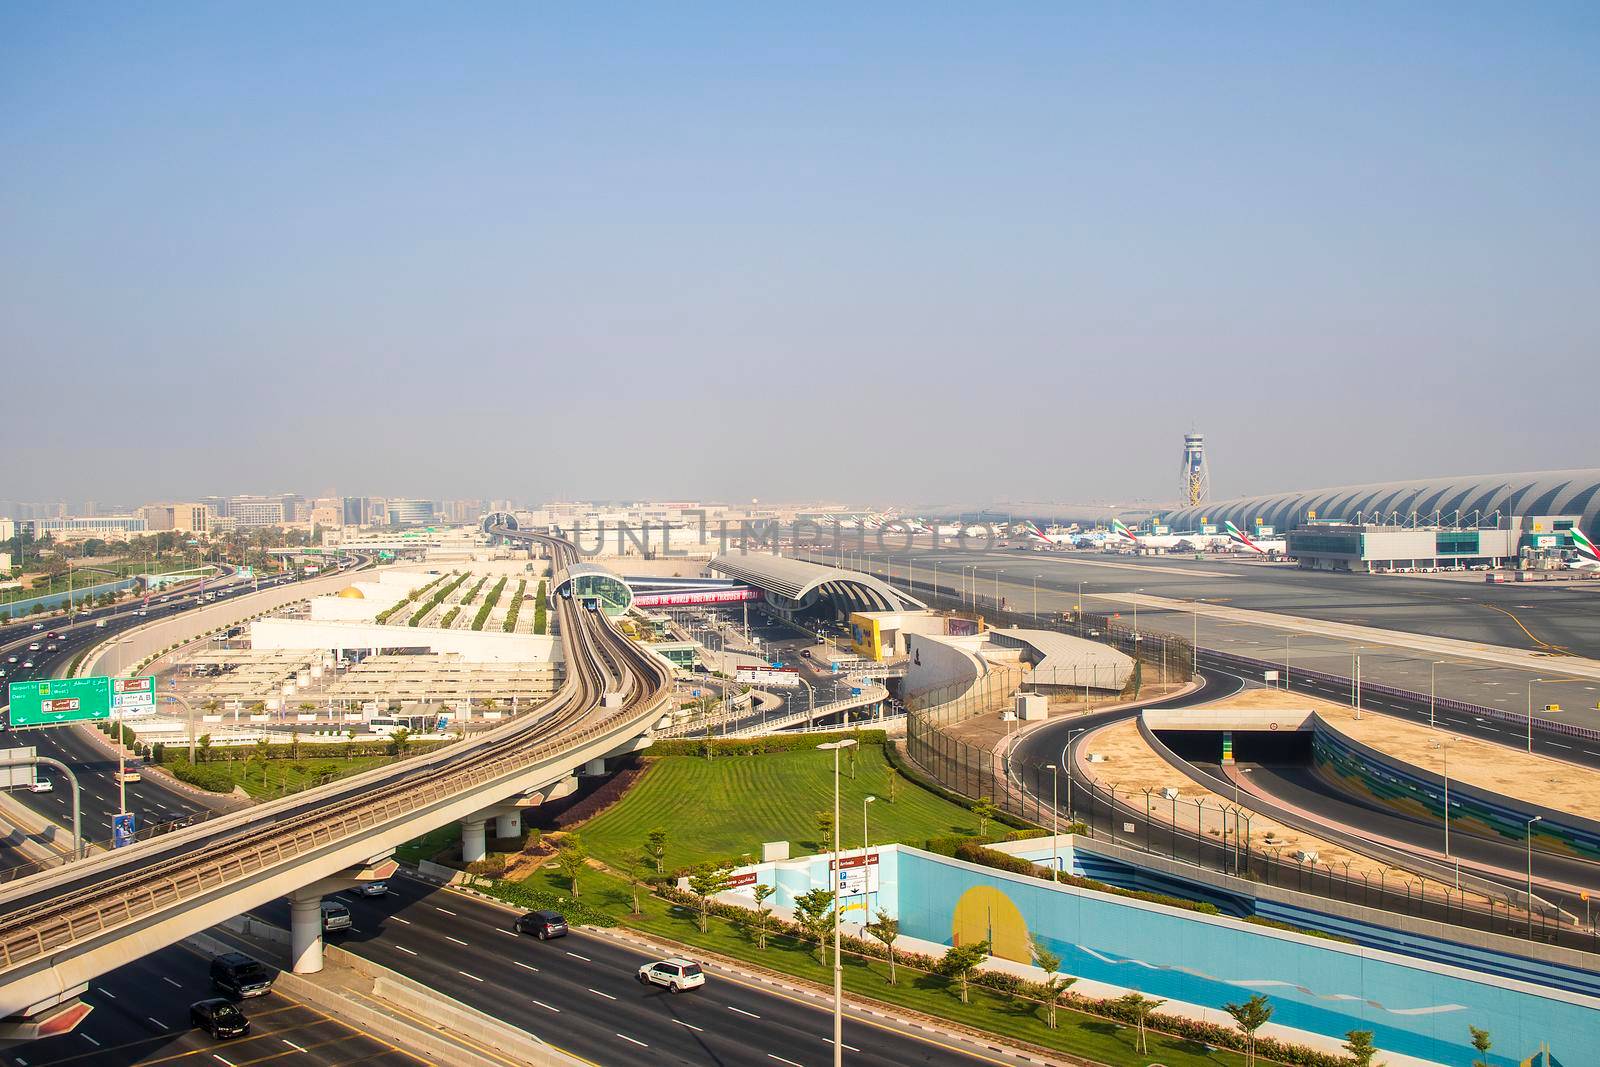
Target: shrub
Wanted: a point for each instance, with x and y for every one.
(488, 604)
(755, 746)
(435, 600)
(525, 896)
(510, 625)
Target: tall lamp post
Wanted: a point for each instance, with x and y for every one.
(866, 869)
(1444, 748)
(1036, 600)
(997, 575)
(1055, 824)
(838, 969)
(1529, 901)
(1431, 666)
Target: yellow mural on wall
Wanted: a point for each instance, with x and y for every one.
(985, 913)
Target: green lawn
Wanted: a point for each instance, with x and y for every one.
(726, 807)
(276, 777)
(1084, 1035)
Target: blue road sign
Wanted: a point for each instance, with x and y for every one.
(122, 829)
(855, 692)
(694, 692)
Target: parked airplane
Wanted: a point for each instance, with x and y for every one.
(1263, 547)
(1587, 558)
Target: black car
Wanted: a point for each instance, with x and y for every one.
(542, 924)
(218, 1017)
(240, 976)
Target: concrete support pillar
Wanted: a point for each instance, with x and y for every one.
(508, 825)
(473, 845)
(594, 766)
(305, 932)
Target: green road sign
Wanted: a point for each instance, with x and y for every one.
(52, 701)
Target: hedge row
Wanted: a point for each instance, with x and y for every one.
(541, 611)
(384, 615)
(1015, 986)
(947, 844)
(472, 594)
(755, 746)
(510, 626)
(450, 617)
(488, 604)
(434, 601)
(526, 896)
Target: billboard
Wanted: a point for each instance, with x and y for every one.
(703, 596)
(857, 874)
(768, 677)
(52, 701)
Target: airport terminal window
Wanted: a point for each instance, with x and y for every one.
(1322, 543)
(1456, 543)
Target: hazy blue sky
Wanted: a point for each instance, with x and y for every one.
(918, 251)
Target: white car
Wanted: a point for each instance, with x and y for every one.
(42, 785)
(674, 972)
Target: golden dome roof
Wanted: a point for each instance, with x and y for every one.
(350, 592)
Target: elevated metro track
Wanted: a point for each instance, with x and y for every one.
(61, 928)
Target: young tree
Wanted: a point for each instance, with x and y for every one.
(1055, 984)
(985, 810)
(655, 845)
(350, 742)
(961, 961)
(886, 930)
(632, 866)
(763, 912)
(1140, 1007)
(1480, 1044)
(1251, 1016)
(398, 742)
(891, 783)
(825, 828)
(1359, 1044)
(705, 882)
(294, 741)
(571, 858)
(203, 748)
(813, 911)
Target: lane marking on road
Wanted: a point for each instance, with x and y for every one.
(852, 1048)
(457, 940)
(474, 977)
(218, 1057)
(171, 983)
(641, 1044)
(548, 1007)
(503, 930)
(1557, 744)
(301, 1048)
(699, 1030)
(597, 993)
(575, 956)
(106, 993)
(741, 1011)
(91, 1040)
(526, 966)
(447, 911)
(157, 1023)
(780, 1059)
(397, 919)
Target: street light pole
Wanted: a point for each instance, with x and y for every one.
(1529, 900)
(1055, 825)
(838, 969)
(866, 869)
(1431, 666)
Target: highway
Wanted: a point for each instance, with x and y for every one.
(141, 1016)
(579, 992)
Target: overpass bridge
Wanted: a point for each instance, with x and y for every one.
(63, 927)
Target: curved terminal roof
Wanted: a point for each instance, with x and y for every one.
(1467, 499)
(795, 583)
(592, 580)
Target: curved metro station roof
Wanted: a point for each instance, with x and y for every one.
(795, 583)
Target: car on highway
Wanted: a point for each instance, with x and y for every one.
(11, 659)
(335, 917)
(371, 889)
(100, 624)
(42, 785)
(38, 626)
(542, 924)
(675, 973)
(129, 774)
(218, 1017)
(27, 663)
(34, 647)
(239, 976)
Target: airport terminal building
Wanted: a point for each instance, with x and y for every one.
(1472, 521)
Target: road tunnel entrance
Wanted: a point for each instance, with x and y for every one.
(1292, 747)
